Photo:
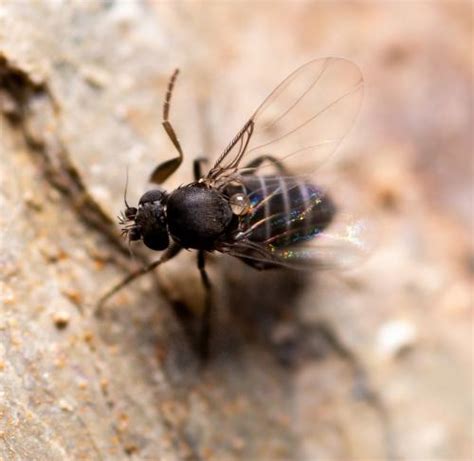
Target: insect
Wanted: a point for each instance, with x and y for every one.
(249, 204)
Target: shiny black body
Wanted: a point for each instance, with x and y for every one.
(288, 210)
(198, 216)
(283, 212)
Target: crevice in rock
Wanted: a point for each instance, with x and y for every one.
(30, 108)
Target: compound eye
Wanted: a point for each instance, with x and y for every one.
(134, 234)
(239, 204)
(156, 241)
(151, 196)
(130, 213)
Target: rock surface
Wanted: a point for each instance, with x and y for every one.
(373, 363)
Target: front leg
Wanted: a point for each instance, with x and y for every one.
(170, 253)
(166, 169)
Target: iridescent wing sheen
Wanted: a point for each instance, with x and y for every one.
(293, 223)
(306, 117)
(345, 244)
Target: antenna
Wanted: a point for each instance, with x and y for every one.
(126, 188)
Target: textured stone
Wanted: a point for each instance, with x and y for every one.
(302, 367)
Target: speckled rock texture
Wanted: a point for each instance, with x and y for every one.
(369, 364)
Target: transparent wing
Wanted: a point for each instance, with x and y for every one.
(306, 116)
(344, 245)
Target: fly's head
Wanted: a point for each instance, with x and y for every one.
(148, 221)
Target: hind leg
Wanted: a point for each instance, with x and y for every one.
(257, 162)
(205, 333)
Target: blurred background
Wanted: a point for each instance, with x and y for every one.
(373, 363)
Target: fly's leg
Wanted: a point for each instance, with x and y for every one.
(166, 169)
(170, 253)
(197, 170)
(205, 333)
(255, 164)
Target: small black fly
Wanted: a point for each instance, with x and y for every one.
(249, 204)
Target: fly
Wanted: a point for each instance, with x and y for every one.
(250, 204)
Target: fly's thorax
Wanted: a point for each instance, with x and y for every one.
(198, 216)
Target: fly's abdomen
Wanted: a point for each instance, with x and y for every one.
(285, 210)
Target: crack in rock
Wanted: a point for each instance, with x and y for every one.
(31, 108)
